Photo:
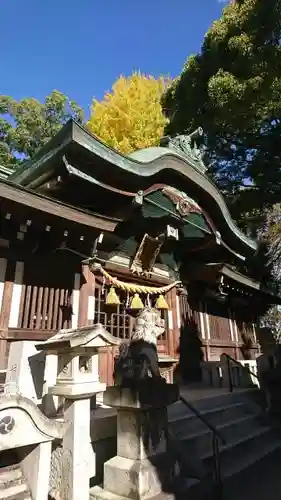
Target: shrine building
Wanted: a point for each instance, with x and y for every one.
(89, 235)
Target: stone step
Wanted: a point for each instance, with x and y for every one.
(201, 443)
(213, 401)
(9, 474)
(236, 459)
(248, 461)
(15, 490)
(187, 423)
(12, 484)
(245, 451)
(250, 482)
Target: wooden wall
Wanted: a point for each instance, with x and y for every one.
(218, 330)
(37, 297)
(40, 296)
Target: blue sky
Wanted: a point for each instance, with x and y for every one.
(81, 47)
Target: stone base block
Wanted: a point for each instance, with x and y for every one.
(141, 434)
(150, 394)
(187, 491)
(138, 479)
(98, 493)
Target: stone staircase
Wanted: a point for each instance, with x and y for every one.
(12, 484)
(249, 458)
(249, 440)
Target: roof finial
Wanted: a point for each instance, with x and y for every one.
(185, 144)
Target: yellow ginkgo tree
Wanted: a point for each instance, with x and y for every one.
(130, 116)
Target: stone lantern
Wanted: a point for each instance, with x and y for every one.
(77, 352)
(77, 381)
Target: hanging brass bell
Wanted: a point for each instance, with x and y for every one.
(161, 302)
(112, 297)
(136, 302)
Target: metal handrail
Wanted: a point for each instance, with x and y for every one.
(217, 436)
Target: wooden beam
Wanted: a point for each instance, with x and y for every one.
(28, 334)
(56, 208)
(127, 275)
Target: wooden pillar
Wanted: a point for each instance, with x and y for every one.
(3, 267)
(86, 297)
(7, 274)
(235, 336)
(173, 323)
(207, 330)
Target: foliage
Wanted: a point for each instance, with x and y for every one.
(232, 88)
(26, 125)
(271, 234)
(130, 117)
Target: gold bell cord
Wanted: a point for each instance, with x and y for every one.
(133, 288)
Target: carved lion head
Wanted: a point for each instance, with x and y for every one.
(149, 325)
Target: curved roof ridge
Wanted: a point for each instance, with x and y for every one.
(51, 428)
(141, 164)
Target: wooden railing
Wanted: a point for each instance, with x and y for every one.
(44, 308)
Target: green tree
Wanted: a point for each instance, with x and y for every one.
(26, 125)
(130, 117)
(270, 234)
(232, 89)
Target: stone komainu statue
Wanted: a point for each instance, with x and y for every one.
(138, 361)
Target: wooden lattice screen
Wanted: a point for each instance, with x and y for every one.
(219, 323)
(115, 318)
(46, 298)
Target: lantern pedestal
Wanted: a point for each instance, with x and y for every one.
(142, 468)
(78, 382)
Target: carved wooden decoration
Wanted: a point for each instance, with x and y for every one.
(146, 255)
(184, 204)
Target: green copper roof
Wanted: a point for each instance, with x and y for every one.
(150, 154)
(136, 172)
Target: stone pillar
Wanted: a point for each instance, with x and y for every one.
(142, 467)
(76, 459)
